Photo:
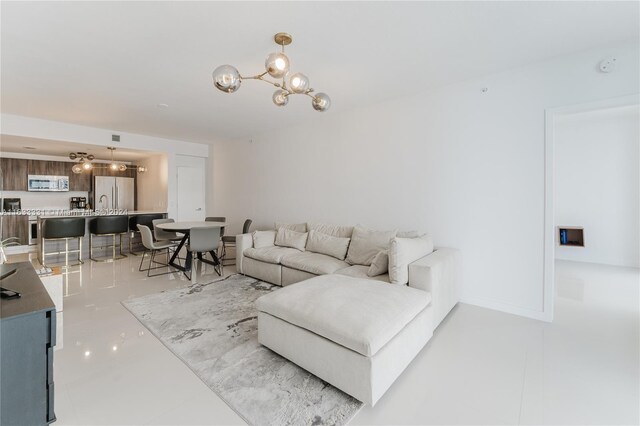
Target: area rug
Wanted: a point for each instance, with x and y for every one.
(213, 328)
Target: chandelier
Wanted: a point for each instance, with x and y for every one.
(228, 79)
(85, 163)
(82, 164)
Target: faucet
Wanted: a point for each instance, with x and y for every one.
(103, 196)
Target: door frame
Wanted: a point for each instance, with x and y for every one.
(550, 115)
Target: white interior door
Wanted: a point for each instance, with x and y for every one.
(191, 196)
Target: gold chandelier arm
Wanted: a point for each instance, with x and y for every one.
(255, 77)
(261, 78)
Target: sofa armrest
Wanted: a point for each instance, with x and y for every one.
(243, 242)
(439, 274)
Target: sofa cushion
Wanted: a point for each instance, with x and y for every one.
(318, 242)
(379, 264)
(298, 227)
(288, 238)
(408, 234)
(264, 239)
(366, 243)
(273, 254)
(404, 251)
(315, 263)
(361, 271)
(333, 230)
(359, 314)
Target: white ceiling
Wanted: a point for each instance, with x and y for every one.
(108, 64)
(23, 145)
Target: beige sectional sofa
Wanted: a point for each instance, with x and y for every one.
(358, 305)
(437, 271)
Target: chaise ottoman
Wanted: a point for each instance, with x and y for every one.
(356, 334)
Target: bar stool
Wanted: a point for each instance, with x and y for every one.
(66, 228)
(108, 225)
(140, 219)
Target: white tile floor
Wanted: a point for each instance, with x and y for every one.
(481, 366)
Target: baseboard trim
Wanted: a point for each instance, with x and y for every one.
(508, 308)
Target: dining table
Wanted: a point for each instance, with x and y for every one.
(185, 229)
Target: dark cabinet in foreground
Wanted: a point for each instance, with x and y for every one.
(27, 338)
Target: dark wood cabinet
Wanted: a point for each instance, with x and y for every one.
(52, 168)
(78, 182)
(37, 167)
(59, 168)
(16, 170)
(16, 226)
(14, 174)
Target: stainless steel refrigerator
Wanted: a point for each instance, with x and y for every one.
(111, 192)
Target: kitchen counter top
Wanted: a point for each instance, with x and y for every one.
(94, 213)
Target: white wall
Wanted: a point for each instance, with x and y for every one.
(153, 184)
(54, 130)
(597, 184)
(463, 164)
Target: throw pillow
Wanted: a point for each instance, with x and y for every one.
(326, 244)
(333, 230)
(366, 243)
(263, 238)
(288, 238)
(379, 264)
(298, 227)
(404, 251)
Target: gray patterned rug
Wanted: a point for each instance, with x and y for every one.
(213, 328)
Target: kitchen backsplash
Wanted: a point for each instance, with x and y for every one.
(42, 200)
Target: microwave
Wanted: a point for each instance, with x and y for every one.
(48, 183)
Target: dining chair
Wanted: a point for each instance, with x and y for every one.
(230, 240)
(221, 251)
(142, 219)
(161, 234)
(204, 240)
(153, 247)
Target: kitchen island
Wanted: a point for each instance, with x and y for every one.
(99, 242)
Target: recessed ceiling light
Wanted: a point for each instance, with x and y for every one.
(29, 147)
(163, 105)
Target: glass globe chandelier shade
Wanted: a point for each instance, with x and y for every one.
(321, 102)
(299, 83)
(77, 169)
(227, 78)
(277, 64)
(114, 166)
(280, 97)
(87, 165)
(122, 168)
